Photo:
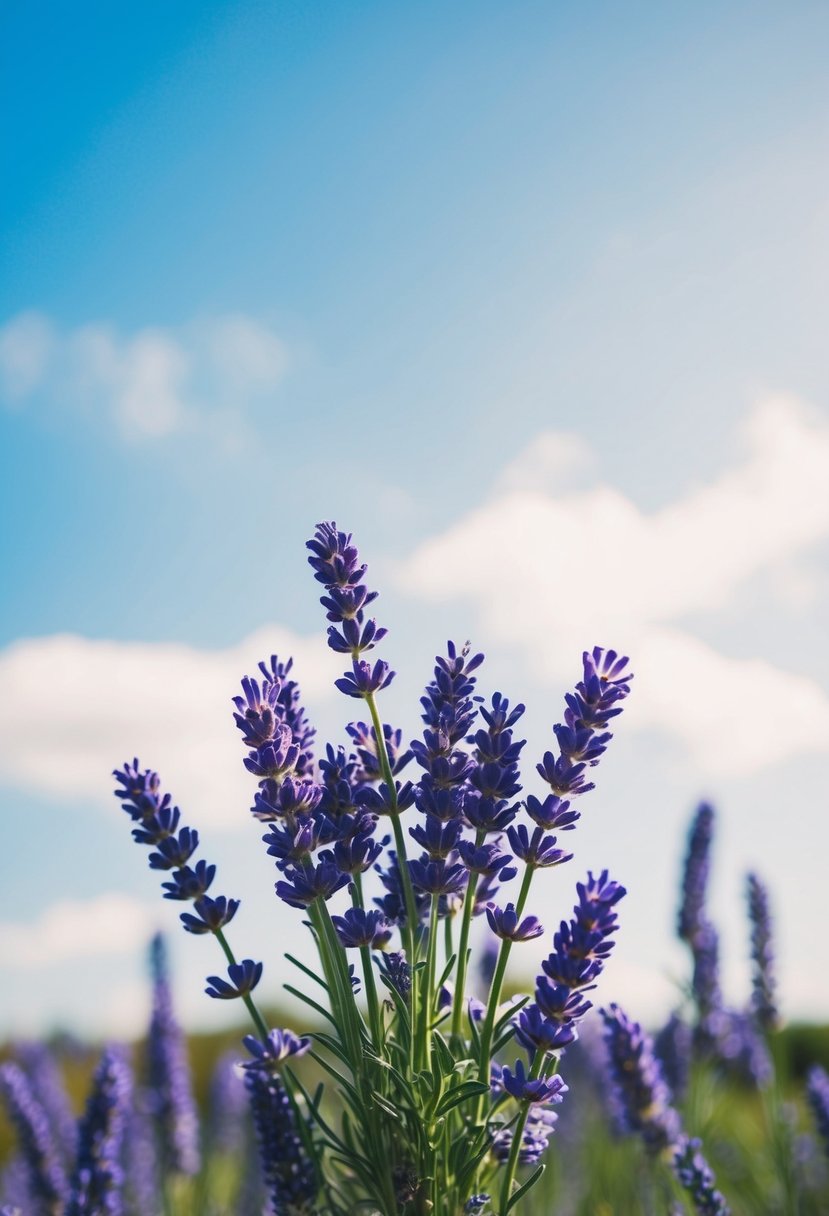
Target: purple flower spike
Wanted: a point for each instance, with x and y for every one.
(280, 1045)
(336, 564)
(358, 928)
(504, 923)
(244, 977)
(550, 1090)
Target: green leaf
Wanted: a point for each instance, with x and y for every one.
(460, 1093)
(308, 1001)
(522, 1190)
(307, 970)
(385, 1105)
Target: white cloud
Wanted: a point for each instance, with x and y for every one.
(26, 344)
(552, 572)
(150, 383)
(71, 929)
(166, 703)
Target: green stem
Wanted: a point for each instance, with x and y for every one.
(428, 996)
(498, 980)
(368, 975)
(402, 863)
(258, 1020)
(517, 1133)
(463, 944)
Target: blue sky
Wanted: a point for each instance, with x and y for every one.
(518, 289)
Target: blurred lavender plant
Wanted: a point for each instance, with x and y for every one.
(646, 1101)
(169, 1086)
(817, 1092)
(97, 1179)
(432, 1121)
(46, 1178)
(763, 1003)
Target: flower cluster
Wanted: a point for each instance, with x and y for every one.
(416, 1055)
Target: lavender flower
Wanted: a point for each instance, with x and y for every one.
(289, 1174)
(47, 1180)
(817, 1092)
(97, 1178)
(696, 1176)
(504, 923)
(549, 1090)
(641, 1087)
(763, 1001)
(358, 928)
(170, 1095)
(396, 973)
(243, 977)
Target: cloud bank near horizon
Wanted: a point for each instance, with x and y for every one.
(148, 384)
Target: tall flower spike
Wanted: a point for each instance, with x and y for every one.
(582, 737)
(171, 1098)
(47, 1180)
(763, 1003)
(336, 564)
(97, 1178)
(140, 794)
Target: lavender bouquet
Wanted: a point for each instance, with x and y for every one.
(427, 1119)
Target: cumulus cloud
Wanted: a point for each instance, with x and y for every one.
(166, 703)
(150, 383)
(576, 567)
(71, 929)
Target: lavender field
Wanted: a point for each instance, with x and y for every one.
(401, 1092)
